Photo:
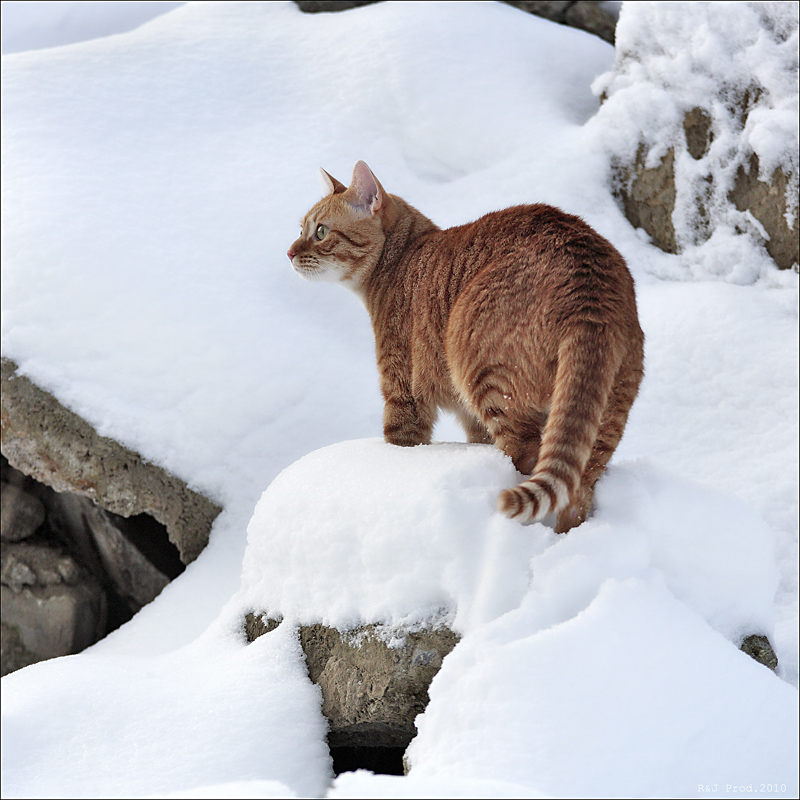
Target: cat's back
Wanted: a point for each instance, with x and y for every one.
(534, 260)
(548, 240)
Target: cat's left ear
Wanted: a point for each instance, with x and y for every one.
(330, 185)
(367, 192)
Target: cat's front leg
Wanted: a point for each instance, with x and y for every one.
(407, 421)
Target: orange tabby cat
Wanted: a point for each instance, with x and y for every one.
(523, 323)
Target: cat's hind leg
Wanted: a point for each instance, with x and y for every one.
(475, 430)
(521, 444)
(513, 427)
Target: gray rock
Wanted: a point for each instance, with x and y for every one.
(50, 606)
(43, 439)
(45, 622)
(325, 6)
(24, 564)
(716, 187)
(759, 648)
(766, 201)
(371, 691)
(131, 574)
(698, 132)
(13, 653)
(592, 17)
(648, 197)
(16, 572)
(21, 514)
(129, 561)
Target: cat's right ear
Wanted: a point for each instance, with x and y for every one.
(330, 185)
(365, 190)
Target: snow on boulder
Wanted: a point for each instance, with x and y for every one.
(700, 123)
(378, 554)
(364, 531)
(54, 445)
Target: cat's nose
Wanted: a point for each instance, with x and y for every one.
(291, 254)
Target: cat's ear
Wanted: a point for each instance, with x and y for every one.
(366, 192)
(329, 184)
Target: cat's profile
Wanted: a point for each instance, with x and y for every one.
(523, 323)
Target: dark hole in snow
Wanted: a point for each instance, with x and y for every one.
(151, 539)
(380, 760)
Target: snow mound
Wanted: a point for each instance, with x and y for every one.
(217, 712)
(42, 24)
(606, 660)
(664, 580)
(364, 532)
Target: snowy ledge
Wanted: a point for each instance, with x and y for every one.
(47, 441)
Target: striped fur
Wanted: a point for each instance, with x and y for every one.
(522, 323)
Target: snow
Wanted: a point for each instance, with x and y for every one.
(196, 704)
(52, 23)
(416, 533)
(606, 660)
(152, 181)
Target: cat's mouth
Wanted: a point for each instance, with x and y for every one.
(306, 270)
(316, 270)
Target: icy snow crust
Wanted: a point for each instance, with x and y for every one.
(152, 183)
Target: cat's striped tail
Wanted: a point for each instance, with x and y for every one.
(587, 365)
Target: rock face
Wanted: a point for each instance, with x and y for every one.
(371, 691)
(326, 6)
(43, 439)
(97, 538)
(766, 201)
(51, 606)
(759, 648)
(648, 196)
(21, 514)
(82, 547)
(592, 17)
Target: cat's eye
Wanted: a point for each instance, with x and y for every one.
(321, 232)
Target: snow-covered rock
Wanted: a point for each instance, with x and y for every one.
(701, 122)
(57, 447)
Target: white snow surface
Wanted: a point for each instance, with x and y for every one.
(52, 23)
(152, 182)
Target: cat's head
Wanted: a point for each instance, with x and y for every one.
(343, 234)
